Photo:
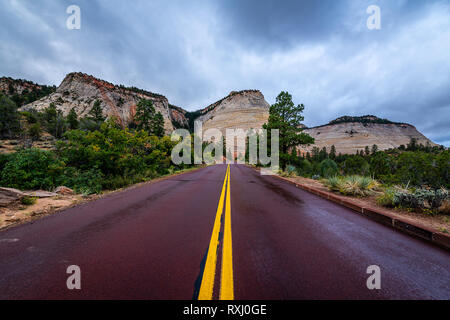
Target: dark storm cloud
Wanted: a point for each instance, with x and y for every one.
(196, 52)
(271, 23)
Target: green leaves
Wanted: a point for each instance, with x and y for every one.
(287, 118)
(147, 119)
(9, 118)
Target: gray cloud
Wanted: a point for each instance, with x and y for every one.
(196, 52)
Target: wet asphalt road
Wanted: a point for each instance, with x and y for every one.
(152, 242)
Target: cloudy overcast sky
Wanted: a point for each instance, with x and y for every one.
(196, 52)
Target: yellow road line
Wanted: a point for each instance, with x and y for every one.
(226, 282)
(209, 273)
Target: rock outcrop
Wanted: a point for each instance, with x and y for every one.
(80, 91)
(349, 135)
(23, 91)
(9, 195)
(239, 110)
(245, 110)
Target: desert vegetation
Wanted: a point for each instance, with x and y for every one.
(89, 155)
(413, 177)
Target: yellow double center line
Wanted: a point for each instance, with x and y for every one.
(209, 273)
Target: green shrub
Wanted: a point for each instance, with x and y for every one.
(353, 185)
(35, 131)
(386, 199)
(305, 168)
(28, 201)
(32, 169)
(356, 165)
(328, 168)
(333, 183)
(85, 182)
(4, 158)
(421, 198)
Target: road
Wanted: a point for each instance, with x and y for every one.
(198, 236)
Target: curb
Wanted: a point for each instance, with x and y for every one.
(440, 239)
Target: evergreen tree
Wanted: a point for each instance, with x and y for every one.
(157, 125)
(333, 152)
(374, 149)
(96, 112)
(146, 118)
(9, 118)
(72, 119)
(287, 117)
(35, 131)
(367, 151)
(145, 112)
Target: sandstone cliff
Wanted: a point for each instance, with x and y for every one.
(80, 91)
(349, 135)
(239, 110)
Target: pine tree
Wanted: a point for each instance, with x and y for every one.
(9, 117)
(145, 112)
(157, 125)
(374, 149)
(96, 112)
(287, 117)
(72, 119)
(333, 152)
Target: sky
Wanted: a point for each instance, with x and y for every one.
(196, 52)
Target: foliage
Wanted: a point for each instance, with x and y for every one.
(421, 198)
(72, 119)
(148, 119)
(328, 168)
(55, 122)
(85, 182)
(28, 201)
(32, 169)
(353, 185)
(96, 113)
(287, 118)
(117, 152)
(9, 118)
(28, 96)
(355, 165)
(386, 199)
(35, 131)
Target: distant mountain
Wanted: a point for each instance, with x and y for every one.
(350, 134)
(239, 110)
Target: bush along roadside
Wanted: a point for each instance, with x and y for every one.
(423, 200)
(91, 161)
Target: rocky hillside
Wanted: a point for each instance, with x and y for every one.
(239, 110)
(23, 91)
(350, 134)
(80, 91)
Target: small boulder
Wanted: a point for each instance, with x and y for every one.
(9, 195)
(62, 190)
(40, 194)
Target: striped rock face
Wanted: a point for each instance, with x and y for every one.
(239, 110)
(350, 137)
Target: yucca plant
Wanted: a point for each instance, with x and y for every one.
(353, 185)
